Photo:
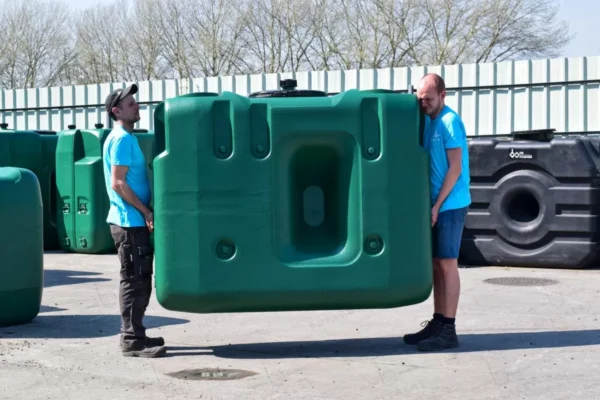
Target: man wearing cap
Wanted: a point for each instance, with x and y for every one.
(131, 221)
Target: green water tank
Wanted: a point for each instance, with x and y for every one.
(21, 246)
(82, 200)
(283, 203)
(35, 150)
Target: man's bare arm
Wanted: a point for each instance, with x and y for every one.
(454, 170)
(119, 185)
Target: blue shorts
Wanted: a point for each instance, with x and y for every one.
(446, 234)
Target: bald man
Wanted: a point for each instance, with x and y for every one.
(446, 141)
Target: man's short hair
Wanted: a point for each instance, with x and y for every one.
(115, 97)
(438, 81)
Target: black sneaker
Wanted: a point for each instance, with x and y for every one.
(429, 329)
(141, 349)
(153, 342)
(146, 352)
(444, 338)
(149, 342)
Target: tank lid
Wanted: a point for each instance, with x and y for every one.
(288, 89)
(542, 135)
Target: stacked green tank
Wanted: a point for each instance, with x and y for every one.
(34, 150)
(21, 246)
(82, 201)
(278, 203)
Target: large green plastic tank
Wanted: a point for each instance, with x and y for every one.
(81, 191)
(35, 150)
(21, 246)
(291, 203)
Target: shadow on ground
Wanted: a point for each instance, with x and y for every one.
(79, 326)
(50, 309)
(377, 347)
(59, 277)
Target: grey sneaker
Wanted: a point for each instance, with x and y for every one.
(141, 349)
(429, 330)
(444, 338)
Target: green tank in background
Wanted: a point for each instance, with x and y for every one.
(285, 202)
(35, 150)
(82, 201)
(21, 246)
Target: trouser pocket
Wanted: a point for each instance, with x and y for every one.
(143, 261)
(126, 258)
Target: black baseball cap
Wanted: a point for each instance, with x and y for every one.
(117, 95)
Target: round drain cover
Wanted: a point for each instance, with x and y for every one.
(211, 374)
(521, 281)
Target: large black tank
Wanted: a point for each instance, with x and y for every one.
(535, 201)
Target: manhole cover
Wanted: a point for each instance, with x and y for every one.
(521, 281)
(211, 374)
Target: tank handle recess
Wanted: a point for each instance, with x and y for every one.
(542, 135)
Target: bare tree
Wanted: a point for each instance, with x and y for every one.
(452, 28)
(37, 44)
(405, 28)
(467, 31)
(129, 48)
(214, 38)
(99, 54)
(4, 47)
(169, 20)
(263, 36)
(362, 35)
(42, 43)
(520, 29)
(328, 35)
(144, 43)
(295, 19)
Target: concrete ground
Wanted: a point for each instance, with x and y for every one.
(530, 342)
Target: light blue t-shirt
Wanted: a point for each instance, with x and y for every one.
(447, 131)
(122, 148)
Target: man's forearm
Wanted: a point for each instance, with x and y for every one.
(449, 182)
(123, 190)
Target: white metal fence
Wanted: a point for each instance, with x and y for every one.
(494, 98)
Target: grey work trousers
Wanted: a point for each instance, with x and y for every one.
(136, 255)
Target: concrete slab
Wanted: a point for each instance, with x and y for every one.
(517, 343)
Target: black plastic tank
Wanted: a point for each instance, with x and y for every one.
(535, 201)
(288, 89)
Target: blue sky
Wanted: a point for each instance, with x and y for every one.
(581, 15)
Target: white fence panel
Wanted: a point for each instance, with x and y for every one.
(494, 98)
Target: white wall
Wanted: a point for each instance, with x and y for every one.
(565, 95)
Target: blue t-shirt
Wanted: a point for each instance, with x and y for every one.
(447, 131)
(122, 148)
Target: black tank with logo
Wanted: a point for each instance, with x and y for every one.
(535, 201)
